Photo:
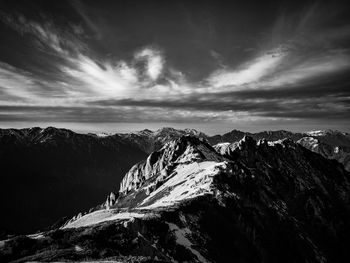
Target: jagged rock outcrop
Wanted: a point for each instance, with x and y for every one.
(257, 202)
(186, 149)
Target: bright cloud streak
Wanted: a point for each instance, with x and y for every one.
(105, 80)
(250, 72)
(310, 69)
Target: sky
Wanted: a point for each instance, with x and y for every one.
(211, 65)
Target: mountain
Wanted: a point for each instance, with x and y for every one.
(330, 144)
(50, 173)
(336, 152)
(150, 141)
(258, 202)
(62, 172)
(331, 137)
(236, 135)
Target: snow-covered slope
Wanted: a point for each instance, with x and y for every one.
(100, 216)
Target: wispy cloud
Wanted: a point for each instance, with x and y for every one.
(250, 72)
(46, 34)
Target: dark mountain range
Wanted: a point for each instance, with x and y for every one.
(257, 202)
(50, 173)
(62, 172)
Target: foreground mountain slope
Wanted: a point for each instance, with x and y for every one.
(259, 202)
(50, 173)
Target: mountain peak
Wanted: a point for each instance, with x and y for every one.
(184, 149)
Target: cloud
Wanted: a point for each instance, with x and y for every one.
(102, 78)
(248, 73)
(47, 35)
(302, 47)
(155, 62)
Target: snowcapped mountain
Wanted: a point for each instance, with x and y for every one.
(252, 201)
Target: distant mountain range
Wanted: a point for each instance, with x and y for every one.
(51, 173)
(246, 201)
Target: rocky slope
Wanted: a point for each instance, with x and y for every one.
(257, 202)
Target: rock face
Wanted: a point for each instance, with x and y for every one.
(183, 150)
(256, 202)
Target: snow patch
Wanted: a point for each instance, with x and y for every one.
(184, 241)
(274, 143)
(103, 134)
(316, 133)
(36, 236)
(100, 216)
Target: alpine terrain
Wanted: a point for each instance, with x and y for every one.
(62, 172)
(249, 201)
